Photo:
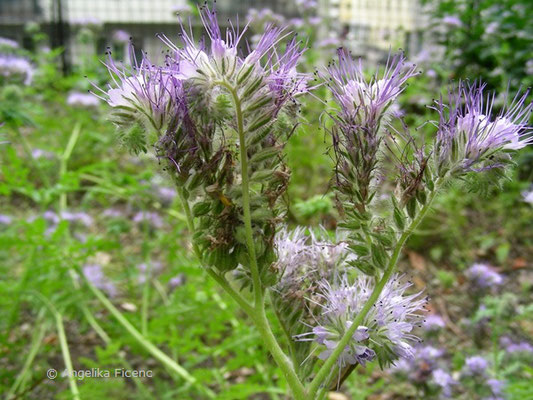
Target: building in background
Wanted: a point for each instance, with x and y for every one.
(85, 27)
(368, 27)
(376, 26)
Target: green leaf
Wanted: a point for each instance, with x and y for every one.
(264, 154)
(201, 208)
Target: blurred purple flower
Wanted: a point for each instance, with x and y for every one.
(146, 270)
(528, 196)
(51, 217)
(433, 322)
(475, 365)
(79, 99)
(496, 386)
(431, 73)
(151, 218)
(40, 153)
(6, 42)
(5, 219)
(121, 36)
(166, 194)
(483, 276)
(512, 347)
(452, 20)
(95, 275)
(88, 21)
(113, 213)
(16, 66)
(80, 217)
(176, 281)
(444, 380)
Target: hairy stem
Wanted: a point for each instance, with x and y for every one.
(257, 314)
(330, 362)
(256, 279)
(257, 311)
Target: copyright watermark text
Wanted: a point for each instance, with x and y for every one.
(99, 373)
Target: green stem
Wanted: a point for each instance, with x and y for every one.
(256, 313)
(149, 346)
(285, 329)
(66, 356)
(330, 362)
(62, 341)
(260, 318)
(64, 163)
(34, 349)
(256, 279)
(263, 326)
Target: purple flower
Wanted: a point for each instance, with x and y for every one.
(40, 153)
(87, 21)
(95, 275)
(301, 256)
(452, 20)
(330, 42)
(151, 218)
(433, 322)
(51, 217)
(475, 365)
(5, 42)
(483, 276)
(444, 380)
(364, 102)
(5, 219)
(113, 213)
(419, 368)
(176, 281)
(121, 36)
(166, 194)
(528, 196)
(16, 66)
(513, 347)
(469, 134)
(79, 99)
(81, 217)
(388, 323)
(147, 270)
(496, 386)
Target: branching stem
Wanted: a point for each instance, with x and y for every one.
(330, 362)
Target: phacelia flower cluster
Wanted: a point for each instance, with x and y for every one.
(472, 136)
(198, 109)
(365, 105)
(364, 102)
(386, 331)
(304, 259)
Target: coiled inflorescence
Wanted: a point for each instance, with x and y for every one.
(205, 102)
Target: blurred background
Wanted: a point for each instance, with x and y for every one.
(72, 199)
